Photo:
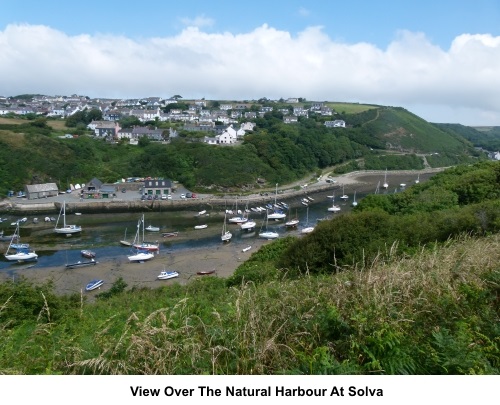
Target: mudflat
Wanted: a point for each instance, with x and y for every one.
(224, 259)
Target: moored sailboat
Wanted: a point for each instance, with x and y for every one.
(21, 254)
(66, 229)
(385, 185)
(226, 235)
(144, 245)
(268, 234)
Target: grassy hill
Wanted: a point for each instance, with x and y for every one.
(483, 137)
(402, 130)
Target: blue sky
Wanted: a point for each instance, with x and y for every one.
(439, 59)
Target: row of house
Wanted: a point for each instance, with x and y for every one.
(96, 189)
(146, 109)
(223, 134)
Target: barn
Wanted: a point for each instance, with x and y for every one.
(35, 191)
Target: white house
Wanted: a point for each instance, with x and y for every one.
(247, 126)
(211, 140)
(225, 138)
(290, 119)
(335, 124)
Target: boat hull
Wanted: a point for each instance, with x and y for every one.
(88, 254)
(205, 273)
(268, 235)
(69, 229)
(94, 284)
(166, 275)
(81, 264)
(146, 246)
(21, 257)
(248, 225)
(141, 257)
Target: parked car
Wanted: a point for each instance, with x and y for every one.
(193, 195)
(143, 197)
(150, 197)
(188, 195)
(169, 197)
(183, 196)
(163, 196)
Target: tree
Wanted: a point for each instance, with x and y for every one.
(130, 121)
(93, 115)
(144, 141)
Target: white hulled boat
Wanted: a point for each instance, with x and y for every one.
(66, 229)
(277, 214)
(268, 234)
(354, 202)
(226, 235)
(333, 208)
(385, 185)
(22, 254)
(165, 275)
(143, 245)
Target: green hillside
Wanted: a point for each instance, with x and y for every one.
(402, 130)
(482, 137)
(275, 151)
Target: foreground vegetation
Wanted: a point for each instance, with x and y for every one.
(377, 301)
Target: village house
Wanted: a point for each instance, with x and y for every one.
(104, 129)
(290, 119)
(137, 132)
(95, 189)
(211, 140)
(300, 112)
(35, 191)
(155, 187)
(335, 124)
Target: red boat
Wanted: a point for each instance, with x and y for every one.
(152, 247)
(206, 272)
(88, 254)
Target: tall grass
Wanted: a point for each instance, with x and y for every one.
(431, 313)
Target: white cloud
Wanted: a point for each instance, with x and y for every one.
(460, 83)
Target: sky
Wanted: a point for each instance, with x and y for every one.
(438, 59)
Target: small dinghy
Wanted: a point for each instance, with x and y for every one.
(94, 284)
